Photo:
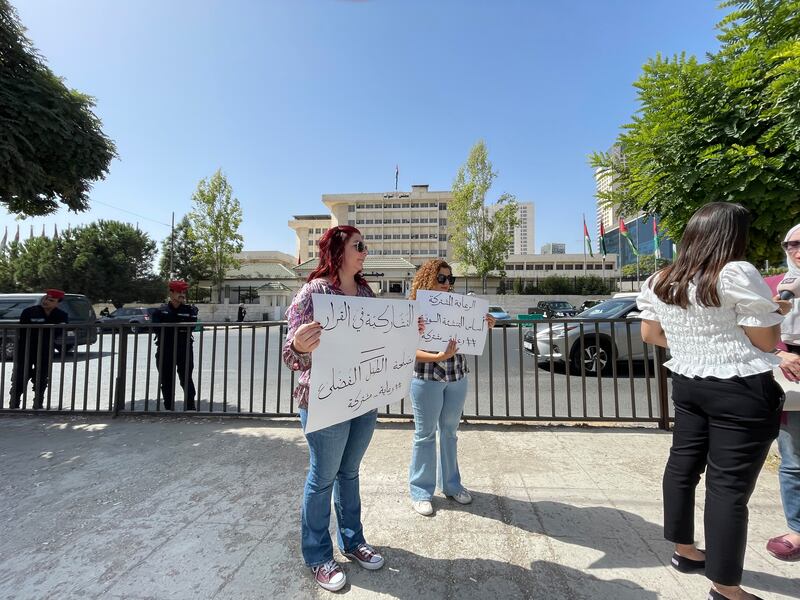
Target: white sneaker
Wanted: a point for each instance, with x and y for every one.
(423, 507)
(462, 497)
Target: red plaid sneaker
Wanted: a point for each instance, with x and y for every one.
(366, 556)
(329, 576)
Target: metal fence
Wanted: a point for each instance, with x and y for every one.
(548, 370)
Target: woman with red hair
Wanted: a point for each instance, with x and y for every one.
(335, 452)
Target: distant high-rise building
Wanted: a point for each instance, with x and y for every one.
(523, 232)
(554, 248)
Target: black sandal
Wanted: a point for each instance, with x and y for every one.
(715, 595)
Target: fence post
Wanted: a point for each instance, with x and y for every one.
(122, 363)
(663, 397)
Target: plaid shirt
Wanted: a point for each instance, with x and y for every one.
(302, 311)
(452, 369)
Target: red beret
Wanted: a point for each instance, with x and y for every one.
(178, 285)
(54, 293)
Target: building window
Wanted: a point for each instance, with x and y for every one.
(442, 237)
(351, 207)
(443, 222)
(529, 267)
(351, 222)
(559, 267)
(442, 205)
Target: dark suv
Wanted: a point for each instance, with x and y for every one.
(80, 330)
(128, 314)
(556, 309)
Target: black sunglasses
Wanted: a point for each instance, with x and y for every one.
(442, 278)
(792, 246)
(360, 246)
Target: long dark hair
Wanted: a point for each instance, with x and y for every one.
(714, 236)
(331, 254)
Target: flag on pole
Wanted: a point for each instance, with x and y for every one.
(396, 176)
(623, 231)
(656, 240)
(602, 241)
(587, 240)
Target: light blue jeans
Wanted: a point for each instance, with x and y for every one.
(789, 472)
(335, 455)
(437, 406)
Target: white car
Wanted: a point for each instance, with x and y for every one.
(602, 340)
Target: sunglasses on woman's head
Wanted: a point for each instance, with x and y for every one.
(442, 278)
(790, 246)
(360, 246)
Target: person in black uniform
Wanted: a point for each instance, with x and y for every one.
(241, 313)
(33, 356)
(175, 345)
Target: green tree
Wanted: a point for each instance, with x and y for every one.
(647, 266)
(724, 129)
(51, 143)
(36, 265)
(110, 261)
(215, 220)
(478, 238)
(187, 263)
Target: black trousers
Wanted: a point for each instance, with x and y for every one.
(26, 364)
(725, 427)
(167, 362)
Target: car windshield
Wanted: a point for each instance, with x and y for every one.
(561, 305)
(495, 309)
(77, 308)
(12, 309)
(608, 309)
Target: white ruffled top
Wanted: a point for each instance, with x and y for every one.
(707, 341)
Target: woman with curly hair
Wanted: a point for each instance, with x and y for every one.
(335, 452)
(438, 392)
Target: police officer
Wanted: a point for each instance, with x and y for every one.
(33, 358)
(175, 345)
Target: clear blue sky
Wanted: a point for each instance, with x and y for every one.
(296, 98)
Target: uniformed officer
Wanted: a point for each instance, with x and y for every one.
(175, 344)
(33, 356)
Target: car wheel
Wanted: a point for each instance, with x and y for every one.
(596, 356)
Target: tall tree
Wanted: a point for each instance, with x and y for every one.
(187, 263)
(109, 260)
(37, 265)
(51, 143)
(724, 129)
(479, 238)
(215, 220)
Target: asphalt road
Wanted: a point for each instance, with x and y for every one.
(242, 372)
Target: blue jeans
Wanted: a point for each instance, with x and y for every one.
(437, 405)
(335, 455)
(789, 472)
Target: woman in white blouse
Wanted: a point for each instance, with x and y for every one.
(716, 315)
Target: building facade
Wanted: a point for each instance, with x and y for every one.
(308, 229)
(524, 241)
(640, 230)
(554, 248)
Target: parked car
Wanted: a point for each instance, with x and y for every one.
(601, 341)
(587, 304)
(557, 309)
(500, 315)
(133, 314)
(77, 306)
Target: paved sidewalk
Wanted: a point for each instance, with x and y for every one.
(187, 508)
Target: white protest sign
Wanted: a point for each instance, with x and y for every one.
(453, 316)
(365, 358)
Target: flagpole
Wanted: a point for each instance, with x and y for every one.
(584, 245)
(638, 224)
